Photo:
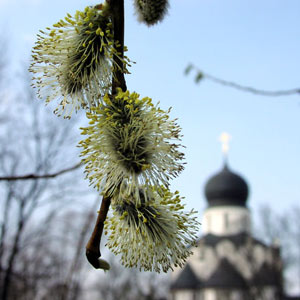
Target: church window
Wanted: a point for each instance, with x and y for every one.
(245, 222)
(226, 221)
(194, 295)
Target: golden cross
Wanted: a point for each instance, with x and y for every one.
(225, 139)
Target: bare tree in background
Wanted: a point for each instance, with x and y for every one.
(31, 141)
(51, 265)
(70, 268)
(44, 222)
(130, 284)
(283, 229)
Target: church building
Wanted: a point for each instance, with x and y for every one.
(228, 263)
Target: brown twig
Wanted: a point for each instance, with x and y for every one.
(117, 8)
(36, 176)
(93, 246)
(118, 80)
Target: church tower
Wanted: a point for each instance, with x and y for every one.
(227, 212)
(228, 262)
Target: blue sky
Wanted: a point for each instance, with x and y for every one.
(254, 43)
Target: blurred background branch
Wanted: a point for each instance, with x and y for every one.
(200, 75)
(36, 176)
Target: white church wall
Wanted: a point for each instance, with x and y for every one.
(222, 294)
(259, 254)
(183, 295)
(226, 220)
(230, 294)
(213, 294)
(237, 295)
(226, 249)
(270, 293)
(209, 294)
(241, 263)
(203, 262)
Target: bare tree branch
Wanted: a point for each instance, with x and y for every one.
(200, 75)
(42, 176)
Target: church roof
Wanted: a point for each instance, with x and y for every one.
(238, 240)
(266, 275)
(186, 280)
(226, 188)
(225, 276)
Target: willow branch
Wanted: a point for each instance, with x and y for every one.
(93, 253)
(36, 176)
(93, 246)
(118, 80)
(200, 75)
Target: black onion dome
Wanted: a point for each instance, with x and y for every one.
(226, 188)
